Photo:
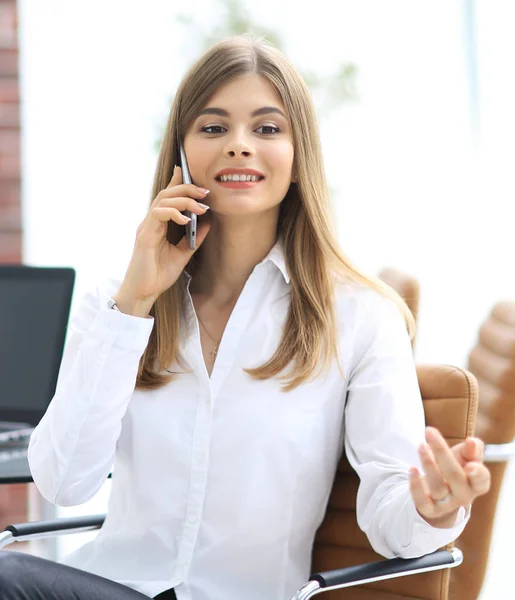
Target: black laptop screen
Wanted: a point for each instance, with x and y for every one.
(34, 311)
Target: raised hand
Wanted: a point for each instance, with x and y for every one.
(156, 264)
(453, 477)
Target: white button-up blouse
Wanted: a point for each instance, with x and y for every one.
(220, 483)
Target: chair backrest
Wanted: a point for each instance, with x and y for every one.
(406, 286)
(450, 404)
(492, 361)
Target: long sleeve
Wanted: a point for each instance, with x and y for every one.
(384, 426)
(72, 449)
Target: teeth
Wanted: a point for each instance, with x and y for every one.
(239, 178)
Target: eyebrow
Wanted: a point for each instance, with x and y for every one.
(265, 110)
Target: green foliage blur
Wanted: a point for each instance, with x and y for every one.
(332, 91)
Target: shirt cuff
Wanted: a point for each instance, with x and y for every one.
(114, 328)
(424, 535)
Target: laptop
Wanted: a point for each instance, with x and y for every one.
(35, 307)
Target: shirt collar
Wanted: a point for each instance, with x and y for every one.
(276, 255)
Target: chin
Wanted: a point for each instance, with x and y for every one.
(240, 207)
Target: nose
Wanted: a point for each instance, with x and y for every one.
(238, 146)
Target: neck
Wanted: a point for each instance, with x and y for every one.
(228, 255)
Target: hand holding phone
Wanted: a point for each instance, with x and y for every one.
(156, 262)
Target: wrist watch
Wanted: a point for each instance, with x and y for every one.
(112, 304)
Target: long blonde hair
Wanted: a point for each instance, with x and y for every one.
(313, 257)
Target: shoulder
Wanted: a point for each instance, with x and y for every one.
(368, 317)
(363, 303)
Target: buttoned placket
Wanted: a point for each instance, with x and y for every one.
(208, 390)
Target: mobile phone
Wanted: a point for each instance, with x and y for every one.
(191, 226)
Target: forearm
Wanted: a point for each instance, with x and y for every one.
(72, 449)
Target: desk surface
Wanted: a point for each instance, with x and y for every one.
(14, 466)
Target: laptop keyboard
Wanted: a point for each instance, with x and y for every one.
(15, 431)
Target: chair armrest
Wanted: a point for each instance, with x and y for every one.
(319, 582)
(22, 532)
(379, 570)
(499, 452)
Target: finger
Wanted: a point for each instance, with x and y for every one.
(469, 450)
(448, 466)
(436, 483)
(175, 180)
(183, 203)
(176, 176)
(478, 477)
(421, 498)
(173, 213)
(169, 213)
(472, 449)
(458, 450)
(183, 191)
(176, 188)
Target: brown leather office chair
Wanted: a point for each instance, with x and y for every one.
(406, 286)
(450, 404)
(492, 361)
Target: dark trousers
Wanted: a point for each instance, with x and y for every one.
(27, 577)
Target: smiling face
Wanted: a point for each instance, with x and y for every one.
(232, 132)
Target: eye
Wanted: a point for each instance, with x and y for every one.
(205, 129)
(276, 129)
(275, 132)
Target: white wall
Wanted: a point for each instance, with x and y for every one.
(413, 189)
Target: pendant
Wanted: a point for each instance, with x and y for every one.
(214, 352)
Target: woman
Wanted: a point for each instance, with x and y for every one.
(224, 383)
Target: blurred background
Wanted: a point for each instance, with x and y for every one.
(415, 105)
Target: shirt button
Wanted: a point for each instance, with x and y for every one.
(192, 519)
(201, 459)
